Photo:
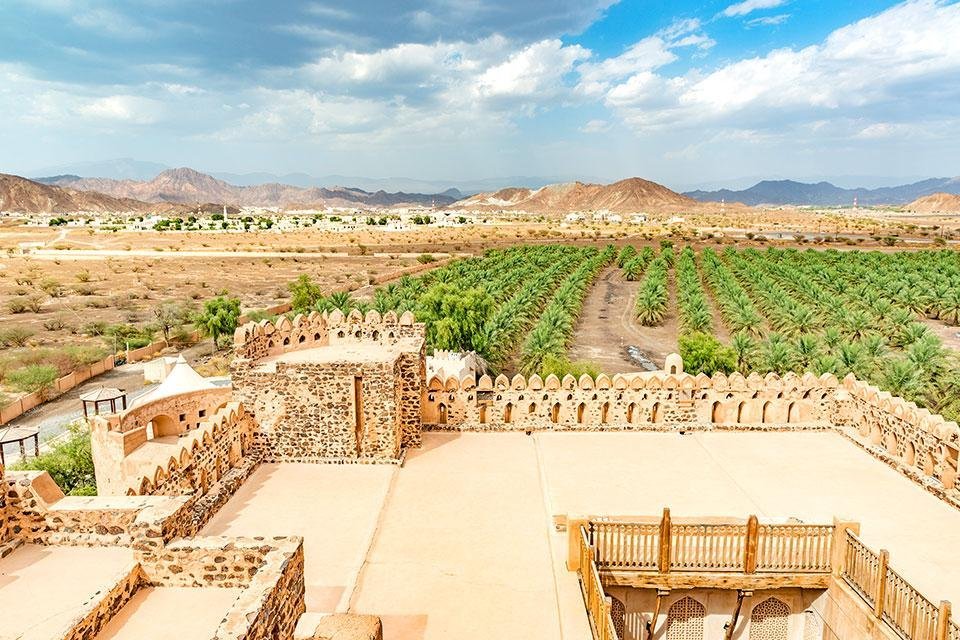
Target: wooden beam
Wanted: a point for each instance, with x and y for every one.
(750, 548)
(665, 528)
(881, 586)
(714, 580)
(943, 621)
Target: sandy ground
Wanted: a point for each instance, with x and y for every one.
(37, 600)
(949, 334)
(607, 327)
(186, 614)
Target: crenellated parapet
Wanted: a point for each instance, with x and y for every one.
(912, 439)
(625, 401)
(187, 462)
(255, 341)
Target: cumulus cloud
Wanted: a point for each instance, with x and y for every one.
(898, 55)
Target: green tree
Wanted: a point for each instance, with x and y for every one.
(455, 317)
(304, 293)
(703, 353)
(219, 317)
(69, 462)
(170, 317)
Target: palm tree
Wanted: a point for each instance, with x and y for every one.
(745, 348)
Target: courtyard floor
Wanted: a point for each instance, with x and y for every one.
(187, 614)
(459, 542)
(42, 589)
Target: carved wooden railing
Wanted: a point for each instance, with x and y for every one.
(894, 600)
(732, 548)
(594, 597)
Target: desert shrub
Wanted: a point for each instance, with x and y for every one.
(23, 304)
(561, 366)
(69, 462)
(83, 276)
(84, 289)
(304, 293)
(15, 336)
(425, 258)
(52, 288)
(84, 354)
(55, 323)
(258, 315)
(33, 377)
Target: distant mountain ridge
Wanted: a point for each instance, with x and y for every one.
(626, 196)
(936, 203)
(785, 192)
(27, 196)
(187, 186)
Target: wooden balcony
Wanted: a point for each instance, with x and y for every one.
(746, 556)
(672, 555)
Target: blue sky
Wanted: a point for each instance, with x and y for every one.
(681, 92)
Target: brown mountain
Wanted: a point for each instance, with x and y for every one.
(936, 203)
(26, 196)
(626, 196)
(187, 186)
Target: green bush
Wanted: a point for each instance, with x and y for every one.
(703, 353)
(33, 377)
(425, 258)
(15, 336)
(69, 462)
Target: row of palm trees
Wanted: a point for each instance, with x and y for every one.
(653, 296)
(552, 334)
(694, 310)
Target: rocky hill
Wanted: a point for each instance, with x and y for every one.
(626, 196)
(26, 196)
(779, 192)
(936, 203)
(187, 186)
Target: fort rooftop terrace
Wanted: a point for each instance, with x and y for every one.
(463, 542)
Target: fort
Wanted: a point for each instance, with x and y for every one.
(335, 490)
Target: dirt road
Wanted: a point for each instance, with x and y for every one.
(607, 327)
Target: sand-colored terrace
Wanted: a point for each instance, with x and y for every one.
(334, 507)
(170, 613)
(460, 542)
(39, 601)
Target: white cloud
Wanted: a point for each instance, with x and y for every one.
(122, 108)
(865, 64)
(595, 126)
(536, 70)
(749, 6)
(768, 21)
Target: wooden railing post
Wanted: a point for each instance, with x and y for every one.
(881, 586)
(573, 535)
(665, 526)
(943, 621)
(839, 548)
(750, 548)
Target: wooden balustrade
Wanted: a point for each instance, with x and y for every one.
(794, 548)
(731, 548)
(593, 595)
(626, 545)
(707, 547)
(894, 600)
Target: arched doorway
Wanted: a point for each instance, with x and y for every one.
(656, 413)
(769, 620)
(508, 413)
(685, 620)
(580, 409)
(630, 410)
(442, 414)
(161, 425)
(604, 410)
(715, 412)
(555, 413)
(483, 414)
(765, 416)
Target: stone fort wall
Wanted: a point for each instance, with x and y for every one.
(338, 407)
(200, 457)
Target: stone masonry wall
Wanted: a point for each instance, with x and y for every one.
(306, 410)
(640, 401)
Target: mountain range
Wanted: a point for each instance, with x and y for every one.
(187, 186)
(936, 203)
(784, 192)
(626, 196)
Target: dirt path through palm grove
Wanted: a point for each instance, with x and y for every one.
(607, 333)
